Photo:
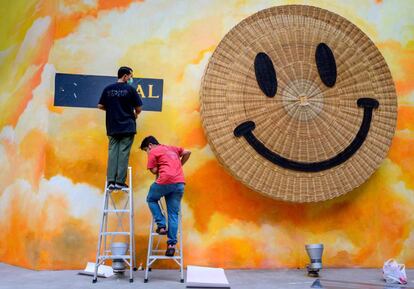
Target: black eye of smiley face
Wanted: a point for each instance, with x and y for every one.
(266, 77)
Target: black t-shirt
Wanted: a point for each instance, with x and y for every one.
(119, 100)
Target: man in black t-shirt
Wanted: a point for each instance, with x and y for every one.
(122, 105)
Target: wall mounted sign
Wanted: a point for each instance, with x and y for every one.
(77, 90)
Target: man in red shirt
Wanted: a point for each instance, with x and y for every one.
(166, 163)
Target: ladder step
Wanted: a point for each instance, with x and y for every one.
(156, 234)
(115, 257)
(116, 211)
(126, 190)
(164, 257)
(114, 233)
(163, 250)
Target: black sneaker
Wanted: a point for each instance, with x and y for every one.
(111, 186)
(170, 251)
(120, 186)
(161, 230)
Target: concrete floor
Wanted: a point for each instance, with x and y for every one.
(15, 277)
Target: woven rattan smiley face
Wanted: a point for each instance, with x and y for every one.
(298, 104)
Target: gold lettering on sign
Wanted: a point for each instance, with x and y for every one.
(150, 92)
(141, 91)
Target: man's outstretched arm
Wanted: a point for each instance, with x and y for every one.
(185, 156)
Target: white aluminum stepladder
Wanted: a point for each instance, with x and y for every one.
(154, 253)
(103, 253)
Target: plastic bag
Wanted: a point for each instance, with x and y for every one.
(394, 273)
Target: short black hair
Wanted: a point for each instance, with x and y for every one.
(124, 70)
(147, 141)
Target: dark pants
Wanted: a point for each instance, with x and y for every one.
(118, 156)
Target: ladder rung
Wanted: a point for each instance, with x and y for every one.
(115, 257)
(156, 234)
(126, 190)
(163, 257)
(116, 211)
(163, 251)
(114, 233)
(155, 249)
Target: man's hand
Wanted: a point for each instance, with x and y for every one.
(154, 171)
(185, 156)
(137, 110)
(100, 106)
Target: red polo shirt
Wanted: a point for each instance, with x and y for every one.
(168, 161)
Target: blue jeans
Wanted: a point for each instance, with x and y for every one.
(173, 194)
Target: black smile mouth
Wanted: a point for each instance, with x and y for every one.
(246, 128)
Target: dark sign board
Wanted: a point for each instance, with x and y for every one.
(77, 90)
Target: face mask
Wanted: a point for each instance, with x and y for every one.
(130, 81)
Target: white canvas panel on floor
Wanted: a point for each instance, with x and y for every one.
(206, 277)
(103, 270)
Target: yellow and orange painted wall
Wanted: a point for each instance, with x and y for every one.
(53, 159)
